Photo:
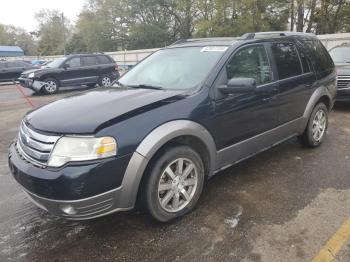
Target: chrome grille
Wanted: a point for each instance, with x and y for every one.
(343, 81)
(33, 146)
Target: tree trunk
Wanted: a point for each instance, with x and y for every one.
(292, 16)
(312, 15)
(300, 15)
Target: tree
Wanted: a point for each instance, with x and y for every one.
(53, 31)
(11, 35)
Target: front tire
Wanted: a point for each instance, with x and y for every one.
(51, 86)
(316, 129)
(174, 183)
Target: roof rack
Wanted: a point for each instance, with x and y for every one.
(86, 53)
(207, 39)
(260, 35)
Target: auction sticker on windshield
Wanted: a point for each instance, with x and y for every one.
(214, 49)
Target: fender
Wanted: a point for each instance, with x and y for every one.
(315, 97)
(151, 144)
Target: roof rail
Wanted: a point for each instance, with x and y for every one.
(86, 53)
(206, 39)
(274, 34)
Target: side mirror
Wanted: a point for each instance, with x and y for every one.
(239, 85)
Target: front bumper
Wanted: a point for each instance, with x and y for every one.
(343, 94)
(33, 84)
(75, 192)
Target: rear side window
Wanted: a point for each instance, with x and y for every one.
(287, 60)
(89, 60)
(74, 62)
(104, 60)
(250, 62)
(323, 59)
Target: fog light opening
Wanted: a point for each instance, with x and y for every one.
(68, 209)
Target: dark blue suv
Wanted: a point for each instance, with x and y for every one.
(178, 117)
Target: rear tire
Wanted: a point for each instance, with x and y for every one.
(51, 86)
(105, 81)
(316, 128)
(174, 183)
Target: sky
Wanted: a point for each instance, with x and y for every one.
(21, 13)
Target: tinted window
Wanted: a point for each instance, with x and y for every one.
(2, 65)
(74, 62)
(340, 54)
(323, 59)
(251, 62)
(89, 60)
(287, 60)
(104, 59)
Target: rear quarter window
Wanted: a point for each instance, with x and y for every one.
(104, 60)
(323, 60)
(286, 59)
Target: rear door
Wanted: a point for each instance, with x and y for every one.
(296, 79)
(90, 69)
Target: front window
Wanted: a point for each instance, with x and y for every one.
(340, 54)
(250, 62)
(56, 63)
(174, 68)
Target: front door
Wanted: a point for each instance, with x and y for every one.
(242, 116)
(72, 73)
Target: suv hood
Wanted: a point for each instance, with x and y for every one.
(86, 112)
(38, 70)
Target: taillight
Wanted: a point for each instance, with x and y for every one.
(116, 67)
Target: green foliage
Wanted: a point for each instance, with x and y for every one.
(112, 25)
(52, 33)
(11, 35)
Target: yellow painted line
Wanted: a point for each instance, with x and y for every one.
(334, 245)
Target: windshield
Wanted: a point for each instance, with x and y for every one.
(341, 54)
(174, 68)
(56, 63)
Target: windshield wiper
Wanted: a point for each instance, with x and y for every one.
(143, 86)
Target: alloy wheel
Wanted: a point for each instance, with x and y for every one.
(177, 185)
(106, 81)
(50, 86)
(319, 125)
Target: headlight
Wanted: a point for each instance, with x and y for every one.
(68, 149)
(31, 75)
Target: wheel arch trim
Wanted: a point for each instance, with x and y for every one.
(151, 144)
(320, 92)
